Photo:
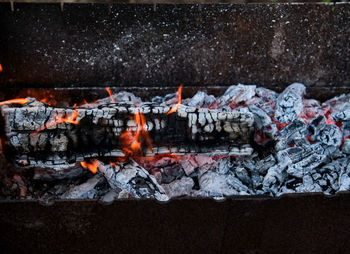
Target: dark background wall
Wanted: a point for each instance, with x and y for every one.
(206, 45)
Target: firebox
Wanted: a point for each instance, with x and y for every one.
(192, 127)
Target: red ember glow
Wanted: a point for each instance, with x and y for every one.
(92, 166)
(174, 109)
(1, 69)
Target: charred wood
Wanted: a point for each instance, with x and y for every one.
(38, 137)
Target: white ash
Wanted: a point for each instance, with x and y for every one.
(222, 185)
(200, 100)
(289, 103)
(84, 190)
(134, 179)
(292, 133)
(338, 103)
(123, 96)
(178, 188)
(236, 94)
(263, 122)
(110, 196)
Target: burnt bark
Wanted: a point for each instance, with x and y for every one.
(38, 137)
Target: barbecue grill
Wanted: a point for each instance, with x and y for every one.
(72, 51)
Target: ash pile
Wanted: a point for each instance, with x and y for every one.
(275, 144)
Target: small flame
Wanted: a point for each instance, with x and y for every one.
(92, 166)
(1, 69)
(110, 94)
(174, 109)
(132, 141)
(18, 101)
(58, 120)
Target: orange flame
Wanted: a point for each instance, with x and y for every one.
(58, 120)
(132, 141)
(110, 94)
(1, 69)
(174, 109)
(18, 101)
(92, 166)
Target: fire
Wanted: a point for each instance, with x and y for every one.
(132, 140)
(92, 166)
(1, 69)
(174, 109)
(17, 101)
(58, 120)
(110, 94)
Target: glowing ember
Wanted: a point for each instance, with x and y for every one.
(110, 94)
(92, 166)
(131, 141)
(58, 120)
(1, 69)
(174, 109)
(17, 101)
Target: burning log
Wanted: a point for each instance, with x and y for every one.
(45, 136)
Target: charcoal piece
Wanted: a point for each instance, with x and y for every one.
(194, 164)
(296, 130)
(260, 165)
(123, 194)
(171, 172)
(275, 177)
(312, 108)
(290, 103)
(338, 103)
(121, 97)
(344, 183)
(84, 190)
(297, 153)
(330, 135)
(243, 175)
(39, 137)
(165, 169)
(346, 146)
(134, 179)
(110, 196)
(225, 166)
(315, 126)
(200, 100)
(345, 126)
(263, 122)
(178, 188)
(58, 173)
(343, 117)
(308, 185)
(218, 185)
(303, 167)
(335, 173)
(236, 94)
(266, 94)
(189, 166)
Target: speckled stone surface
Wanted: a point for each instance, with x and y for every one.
(271, 45)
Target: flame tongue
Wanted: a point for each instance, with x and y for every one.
(92, 165)
(132, 140)
(58, 120)
(110, 94)
(18, 101)
(174, 109)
